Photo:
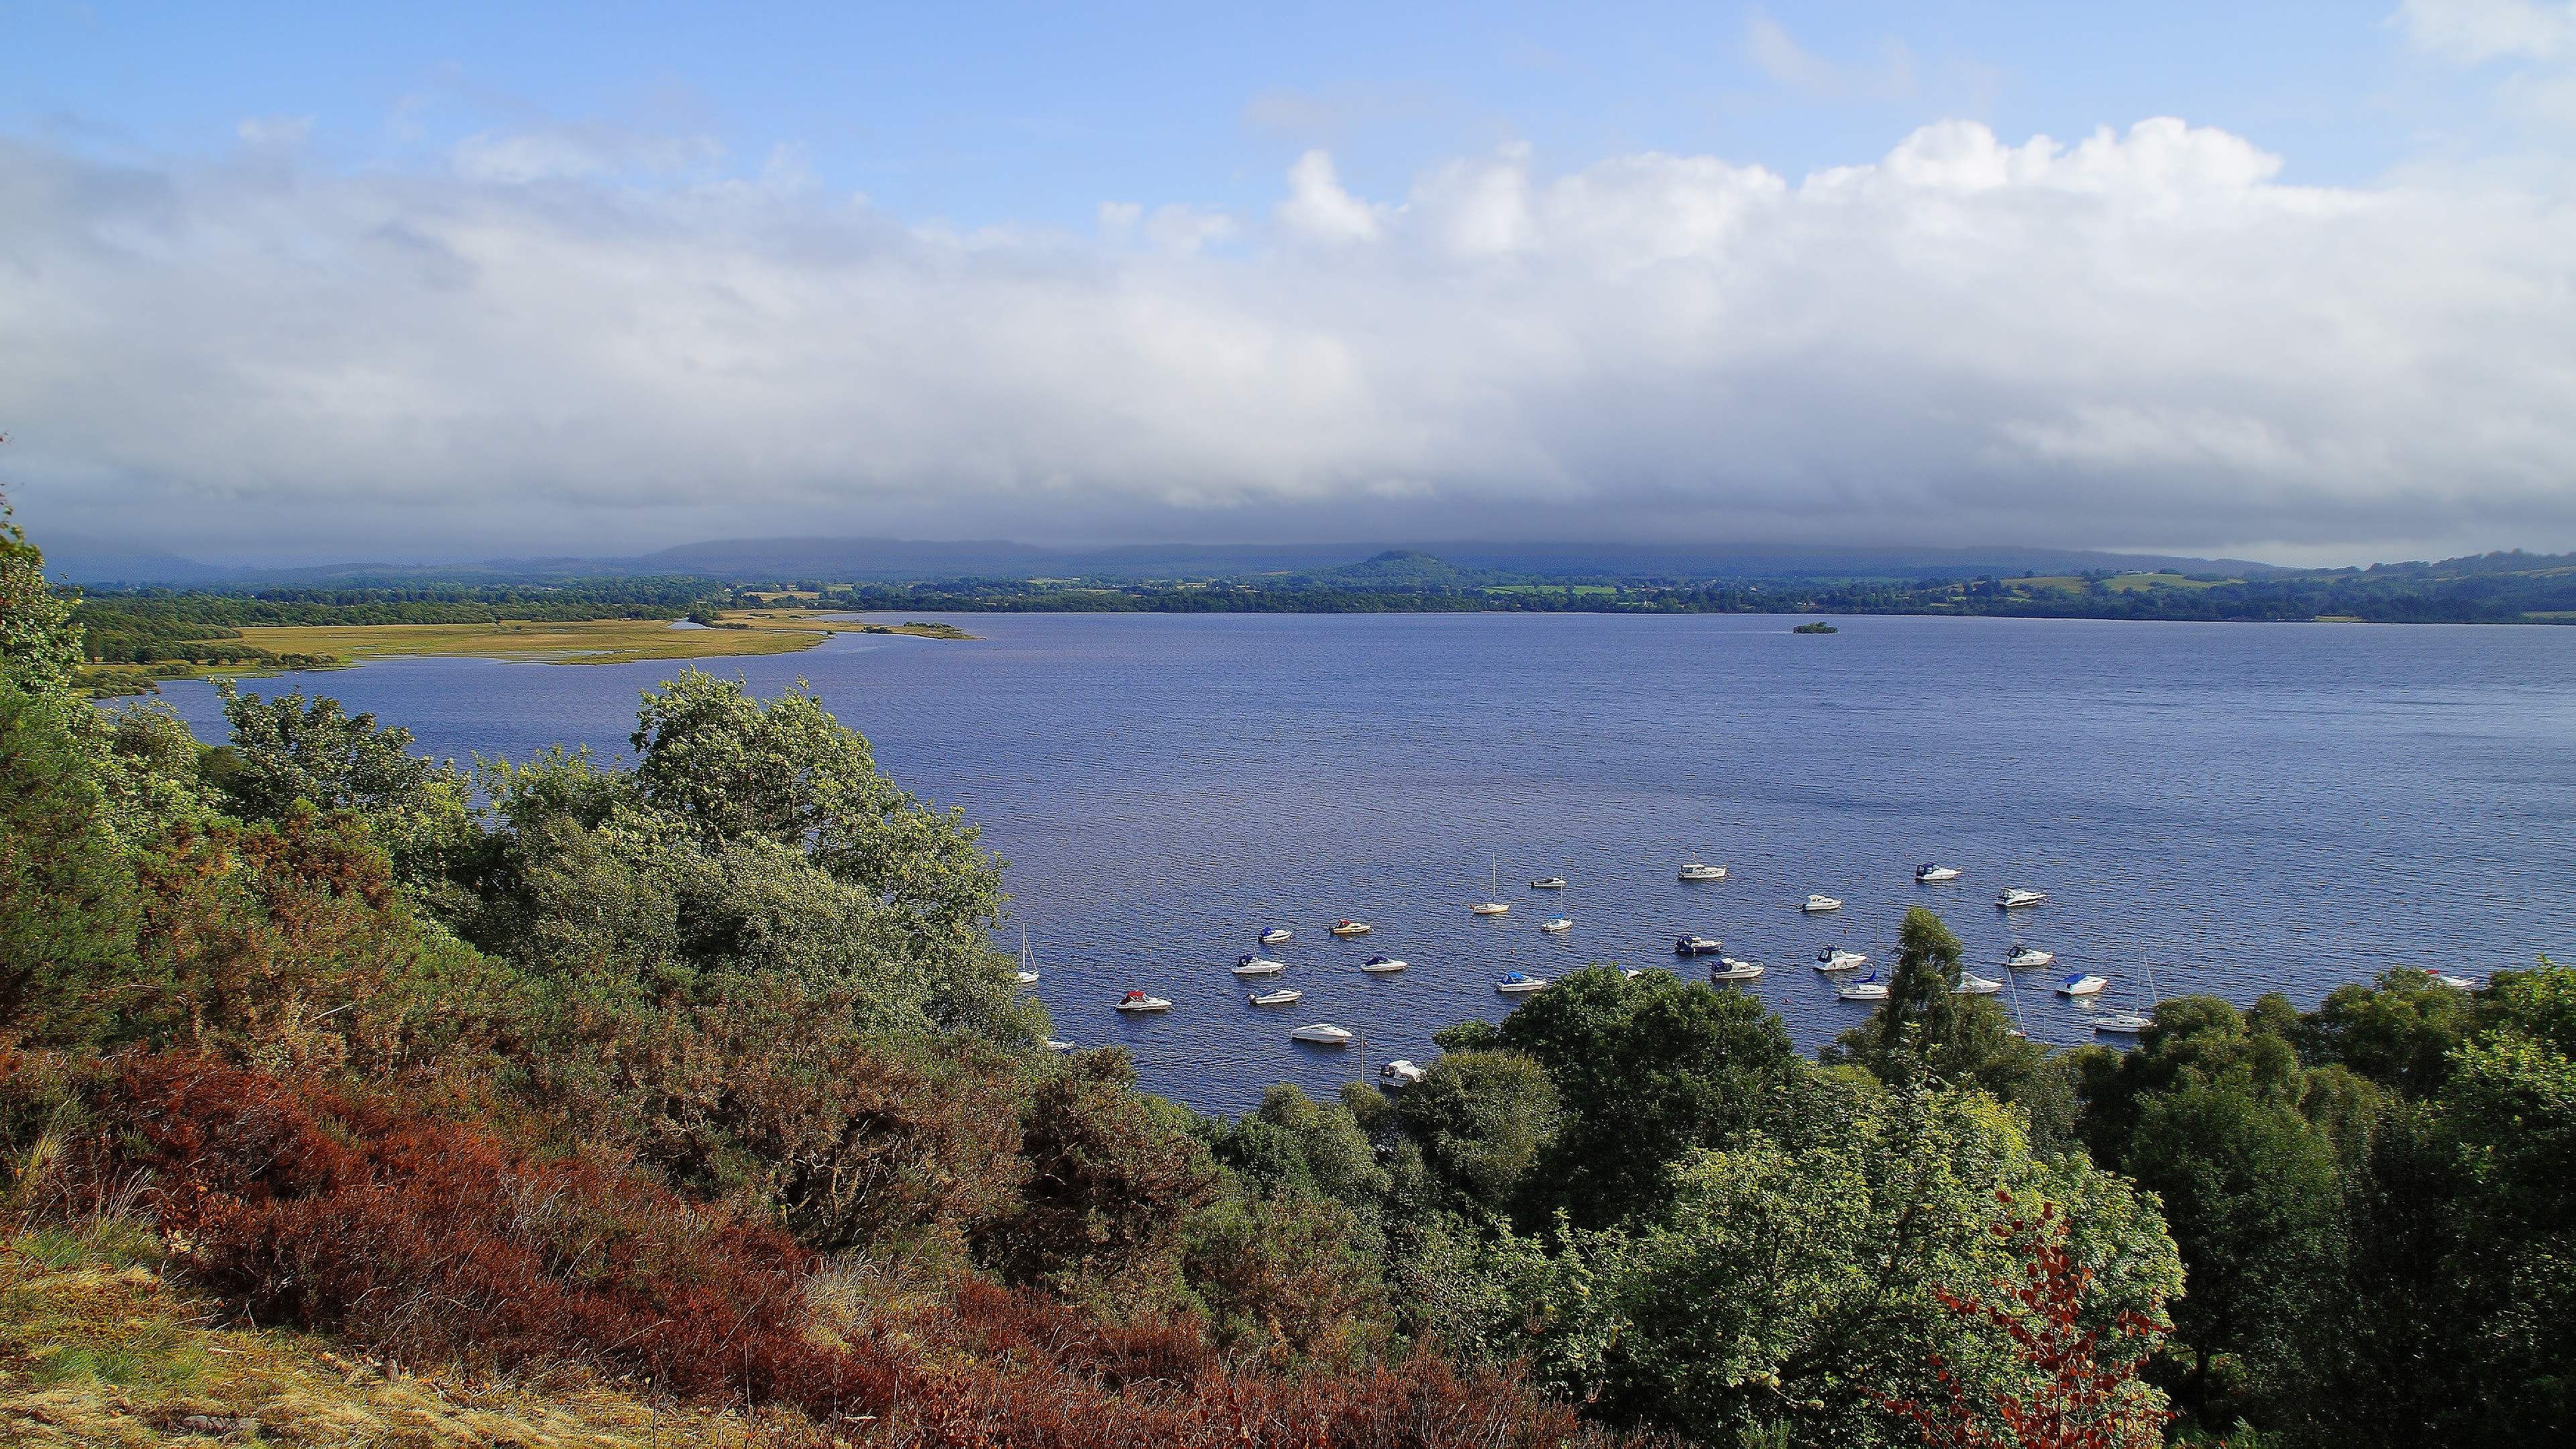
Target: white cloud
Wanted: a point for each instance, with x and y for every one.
(2477, 31)
(2141, 338)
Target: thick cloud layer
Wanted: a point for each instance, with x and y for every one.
(2134, 340)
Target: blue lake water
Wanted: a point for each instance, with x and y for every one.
(2238, 808)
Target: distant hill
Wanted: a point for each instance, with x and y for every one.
(72, 558)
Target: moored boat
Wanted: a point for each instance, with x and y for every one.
(1513, 983)
(1971, 984)
(1548, 883)
(1324, 1033)
(1835, 958)
(1819, 905)
(1281, 997)
(1256, 966)
(1398, 1073)
(1697, 945)
(2122, 1023)
(1697, 870)
(2082, 984)
(1867, 988)
(2016, 898)
(1139, 1001)
(1276, 935)
(1351, 928)
(1557, 924)
(1381, 965)
(1730, 969)
(2028, 958)
(1930, 873)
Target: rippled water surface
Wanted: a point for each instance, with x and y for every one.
(2239, 808)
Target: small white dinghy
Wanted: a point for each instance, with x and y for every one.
(1258, 966)
(2122, 1023)
(1835, 958)
(1819, 905)
(1929, 873)
(1868, 988)
(1971, 984)
(1284, 996)
(1277, 935)
(2016, 898)
(1548, 883)
(1139, 1001)
(1558, 925)
(1351, 928)
(1324, 1033)
(2028, 958)
(2082, 984)
(1513, 983)
(1381, 965)
(1730, 969)
(1398, 1073)
(1697, 871)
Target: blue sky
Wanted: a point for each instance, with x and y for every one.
(293, 280)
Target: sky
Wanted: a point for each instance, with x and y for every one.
(287, 283)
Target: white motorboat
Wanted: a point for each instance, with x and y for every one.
(1697, 871)
(1053, 1045)
(1513, 983)
(1139, 1001)
(1835, 958)
(2016, 898)
(1324, 1033)
(1971, 984)
(1277, 935)
(1867, 988)
(1631, 973)
(1559, 924)
(1548, 883)
(1819, 905)
(2456, 983)
(1730, 969)
(1398, 1073)
(1257, 966)
(2028, 958)
(1381, 965)
(1929, 873)
(1493, 887)
(1697, 945)
(1284, 996)
(2122, 1023)
(1351, 928)
(2082, 984)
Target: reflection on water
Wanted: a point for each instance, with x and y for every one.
(2248, 807)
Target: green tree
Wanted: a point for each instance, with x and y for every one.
(2398, 1031)
(1481, 1119)
(1925, 1027)
(1645, 1069)
(289, 750)
(67, 898)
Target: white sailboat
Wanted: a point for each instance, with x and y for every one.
(1493, 887)
(1867, 988)
(1558, 925)
(1028, 972)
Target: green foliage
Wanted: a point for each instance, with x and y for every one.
(1926, 1029)
(1645, 1069)
(67, 898)
(40, 646)
(1481, 1118)
(2399, 1031)
(290, 752)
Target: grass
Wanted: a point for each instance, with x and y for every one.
(587, 641)
(99, 1350)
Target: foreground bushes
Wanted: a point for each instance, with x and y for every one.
(429, 1241)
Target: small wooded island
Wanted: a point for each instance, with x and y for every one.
(1818, 627)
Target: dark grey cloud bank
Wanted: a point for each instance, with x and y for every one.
(2140, 340)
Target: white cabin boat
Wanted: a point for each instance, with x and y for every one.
(2456, 983)
(2016, 898)
(1381, 965)
(1559, 924)
(1398, 1073)
(1548, 883)
(1697, 871)
(1324, 1033)
(1277, 935)
(1835, 958)
(2082, 984)
(2122, 1023)
(1257, 966)
(1697, 945)
(1819, 905)
(1867, 988)
(1971, 984)
(2028, 958)
(1139, 1001)
(1929, 873)
(1284, 996)
(1730, 969)
(1351, 928)
(1513, 983)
